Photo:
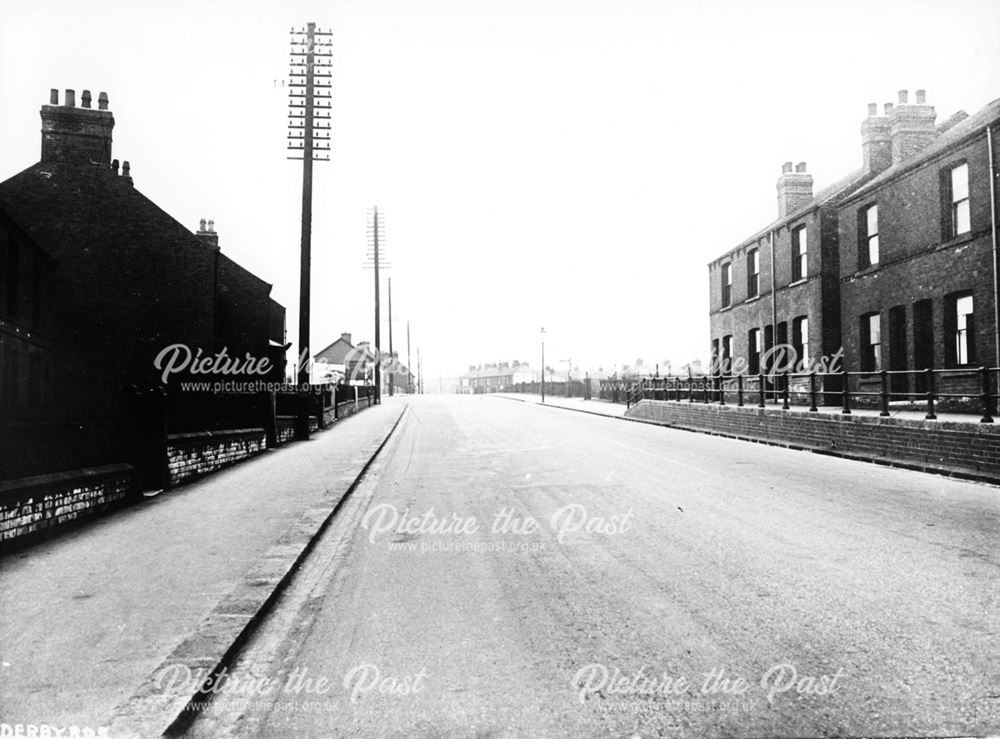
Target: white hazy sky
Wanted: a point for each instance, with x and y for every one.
(572, 164)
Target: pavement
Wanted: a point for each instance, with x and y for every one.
(607, 408)
(506, 571)
(89, 619)
(594, 405)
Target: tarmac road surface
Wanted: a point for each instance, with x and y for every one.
(508, 569)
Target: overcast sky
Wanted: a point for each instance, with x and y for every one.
(572, 164)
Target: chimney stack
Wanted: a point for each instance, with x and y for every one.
(346, 337)
(206, 232)
(911, 126)
(795, 188)
(876, 140)
(76, 135)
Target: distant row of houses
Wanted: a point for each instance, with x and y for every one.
(496, 377)
(894, 265)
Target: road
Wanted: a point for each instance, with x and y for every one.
(508, 569)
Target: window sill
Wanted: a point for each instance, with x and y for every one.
(754, 299)
(726, 308)
(800, 281)
(962, 238)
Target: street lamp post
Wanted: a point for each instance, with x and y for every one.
(543, 363)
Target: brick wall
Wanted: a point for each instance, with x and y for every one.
(286, 428)
(917, 262)
(32, 507)
(966, 447)
(195, 454)
(816, 297)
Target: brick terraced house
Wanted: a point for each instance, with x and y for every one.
(894, 266)
(111, 280)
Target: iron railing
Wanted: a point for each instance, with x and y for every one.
(961, 390)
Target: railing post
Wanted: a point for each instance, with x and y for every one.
(722, 389)
(784, 393)
(987, 401)
(846, 392)
(812, 391)
(704, 389)
(156, 464)
(884, 394)
(931, 415)
(270, 419)
(760, 390)
(690, 387)
(739, 391)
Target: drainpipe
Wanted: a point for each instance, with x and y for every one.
(993, 223)
(774, 292)
(774, 287)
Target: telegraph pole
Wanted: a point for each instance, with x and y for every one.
(420, 374)
(409, 367)
(309, 134)
(392, 355)
(376, 237)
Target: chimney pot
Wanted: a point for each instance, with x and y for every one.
(85, 99)
(872, 109)
(800, 167)
(70, 98)
(921, 97)
(889, 108)
(786, 167)
(904, 97)
(102, 101)
(126, 169)
(206, 232)
(114, 165)
(53, 96)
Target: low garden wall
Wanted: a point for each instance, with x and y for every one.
(198, 453)
(33, 507)
(965, 449)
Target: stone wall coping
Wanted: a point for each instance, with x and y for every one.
(194, 436)
(84, 475)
